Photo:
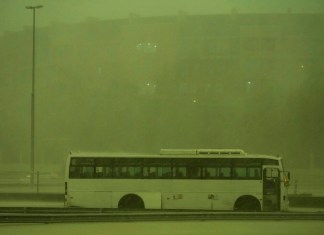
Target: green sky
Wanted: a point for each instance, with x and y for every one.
(14, 16)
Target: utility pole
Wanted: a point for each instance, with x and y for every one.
(32, 126)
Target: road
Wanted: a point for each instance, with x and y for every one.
(167, 228)
(230, 227)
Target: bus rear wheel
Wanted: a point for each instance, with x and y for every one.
(131, 201)
(247, 204)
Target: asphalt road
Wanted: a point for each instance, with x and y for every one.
(167, 228)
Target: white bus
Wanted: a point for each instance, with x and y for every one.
(204, 179)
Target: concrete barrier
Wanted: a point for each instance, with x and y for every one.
(306, 200)
(32, 196)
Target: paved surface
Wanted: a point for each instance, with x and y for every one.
(171, 227)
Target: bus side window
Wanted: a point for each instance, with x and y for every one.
(254, 172)
(180, 172)
(103, 172)
(75, 172)
(194, 172)
(87, 172)
(134, 171)
(120, 172)
(150, 172)
(124, 171)
(107, 173)
(164, 172)
(209, 172)
(99, 172)
(225, 172)
(239, 172)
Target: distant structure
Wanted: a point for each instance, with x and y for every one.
(217, 69)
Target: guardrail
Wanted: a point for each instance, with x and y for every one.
(24, 178)
(81, 216)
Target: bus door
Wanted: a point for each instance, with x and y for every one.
(271, 189)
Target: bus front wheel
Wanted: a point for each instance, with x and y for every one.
(131, 201)
(247, 203)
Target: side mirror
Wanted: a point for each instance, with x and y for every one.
(287, 179)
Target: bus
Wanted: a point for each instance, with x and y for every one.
(193, 179)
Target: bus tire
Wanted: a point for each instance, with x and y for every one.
(131, 201)
(247, 203)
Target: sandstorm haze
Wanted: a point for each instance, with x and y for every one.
(137, 76)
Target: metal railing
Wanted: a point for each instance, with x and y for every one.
(20, 181)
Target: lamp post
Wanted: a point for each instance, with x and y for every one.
(32, 126)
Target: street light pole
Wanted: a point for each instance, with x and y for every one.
(32, 126)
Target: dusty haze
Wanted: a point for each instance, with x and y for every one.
(137, 77)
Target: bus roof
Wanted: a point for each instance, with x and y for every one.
(179, 153)
(201, 151)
